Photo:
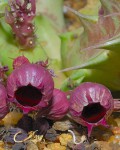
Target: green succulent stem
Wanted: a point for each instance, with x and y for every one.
(53, 9)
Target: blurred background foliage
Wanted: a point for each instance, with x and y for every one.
(64, 30)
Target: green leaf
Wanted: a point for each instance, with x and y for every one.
(98, 47)
(53, 10)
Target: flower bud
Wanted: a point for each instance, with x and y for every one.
(20, 60)
(59, 105)
(20, 17)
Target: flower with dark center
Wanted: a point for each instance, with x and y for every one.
(3, 102)
(30, 86)
(91, 104)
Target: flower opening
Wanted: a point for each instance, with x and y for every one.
(92, 113)
(28, 95)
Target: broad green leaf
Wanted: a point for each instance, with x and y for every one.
(98, 47)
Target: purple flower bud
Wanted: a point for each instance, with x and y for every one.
(30, 86)
(20, 19)
(3, 103)
(59, 105)
(20, 60)
(3, 70)
(101, 11)
(91, 104)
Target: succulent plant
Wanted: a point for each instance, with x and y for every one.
(91, 104)
(44, 22)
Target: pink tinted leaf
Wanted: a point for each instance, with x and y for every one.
(105, 29)
(96, 37)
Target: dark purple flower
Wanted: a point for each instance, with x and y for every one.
(30, 86)
(91, 104)
(3, 104)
